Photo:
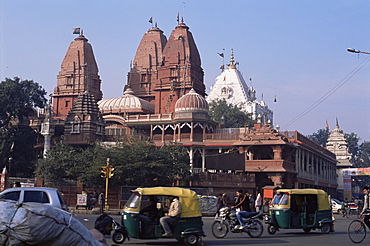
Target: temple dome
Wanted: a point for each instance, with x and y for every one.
(126, 103)
(192, 101)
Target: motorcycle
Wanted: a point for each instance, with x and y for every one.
(227, 221)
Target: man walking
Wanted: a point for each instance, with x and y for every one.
(366, 208)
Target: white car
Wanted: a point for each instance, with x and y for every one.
(35, 194)
(336, 205)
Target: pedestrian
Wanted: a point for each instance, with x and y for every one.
(251, 202)
(366, 208)
(170, 217)
(103, 226)
(101, 202)
(258, 202)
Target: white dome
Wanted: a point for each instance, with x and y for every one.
(127, 103)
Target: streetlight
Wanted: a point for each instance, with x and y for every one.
(357, 51)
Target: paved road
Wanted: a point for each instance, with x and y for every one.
(282, 237)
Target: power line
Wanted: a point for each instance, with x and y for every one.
(329, 93)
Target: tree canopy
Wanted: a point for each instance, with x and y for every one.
(18, 98)
(360, 153)
(228, 114)
(136, 163)
(320, 137)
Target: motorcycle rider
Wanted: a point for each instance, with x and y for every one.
(242, 203)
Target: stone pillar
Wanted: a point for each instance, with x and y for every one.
(203, 159)
(204, 133)
(179, 132)
(162, 133)
(191, 131)
(277, 152)
(191, 159)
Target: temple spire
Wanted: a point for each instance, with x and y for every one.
(232, 61)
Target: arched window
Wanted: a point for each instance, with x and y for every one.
(76, 125)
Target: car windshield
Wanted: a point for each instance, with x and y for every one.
(280, 199)
(133, 201)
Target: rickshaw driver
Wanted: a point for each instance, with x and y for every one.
(366, 208)
(171, 216)
(151, 209)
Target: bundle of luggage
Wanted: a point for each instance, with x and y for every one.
(38, 224)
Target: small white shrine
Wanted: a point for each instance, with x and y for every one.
(231, 86)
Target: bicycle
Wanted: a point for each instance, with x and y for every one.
(357, 230)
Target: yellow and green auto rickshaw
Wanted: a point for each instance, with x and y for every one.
(306, 209)
(188, 228)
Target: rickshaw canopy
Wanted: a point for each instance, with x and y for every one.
(322, 196)
(188, 198)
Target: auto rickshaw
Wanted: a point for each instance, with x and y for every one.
(188, 228)
(306, 209)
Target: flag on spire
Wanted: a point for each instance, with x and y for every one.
(275, 99)
(178, 17)
(221, 54)
(76, 30)
(151, 20)
(327, 125)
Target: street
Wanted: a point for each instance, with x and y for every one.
(282, 237)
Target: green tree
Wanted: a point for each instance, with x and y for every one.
(136, 163)
(18, 99)
(230, 115)
(320, 137)
(363, 159)
(352, 141)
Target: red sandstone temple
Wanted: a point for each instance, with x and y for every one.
(164, 101)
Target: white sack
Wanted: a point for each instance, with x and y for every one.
(38, 224)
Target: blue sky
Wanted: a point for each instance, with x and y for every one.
(293, 49)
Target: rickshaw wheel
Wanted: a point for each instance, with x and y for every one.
(118, 237)
(306, 230)
(271, 229)
(191, 239)
(325, 229)
(219, 229)
(256, 229)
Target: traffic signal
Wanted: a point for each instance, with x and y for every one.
(103, 172)
(110, 173)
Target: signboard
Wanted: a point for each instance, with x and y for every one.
(81, 200)
(356, 171)
(347, 179)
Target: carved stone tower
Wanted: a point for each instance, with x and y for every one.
(180, 71)
(84, 123)
(143, 76)
(79, 72)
